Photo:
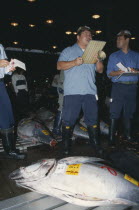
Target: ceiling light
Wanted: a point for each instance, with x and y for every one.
(133, 37)
(98, 32)
(31, 0)
(68, 32)
(54, 47)
(49, 21)
(15, 42)
(96, 16)
(75, 33)
(14, 24)
(31, 25)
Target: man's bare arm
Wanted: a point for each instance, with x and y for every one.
(65, 65)
(116, 73)
(99, 67)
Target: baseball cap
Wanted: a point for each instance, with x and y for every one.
(124, 33)
(84, 28)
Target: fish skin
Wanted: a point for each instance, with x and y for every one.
(125, 161)
(32, 131)
(80, 129)
(43, 114)
(96, 183)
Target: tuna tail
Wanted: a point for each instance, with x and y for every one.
(44, 136)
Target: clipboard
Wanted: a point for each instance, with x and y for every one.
(89, 55)
(128, 74)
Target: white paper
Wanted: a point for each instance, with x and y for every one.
(15, 63)
(20, 64)
(122, 67)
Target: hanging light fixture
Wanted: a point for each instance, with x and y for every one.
(54, 46)
(68, 32)
(15, 42)
(50, 21)
(14, 24)
(31, 25)
(31, 0)
(96, 16)
(98, 31)
(75, 33)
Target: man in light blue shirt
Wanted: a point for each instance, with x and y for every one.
(6, 113)
(80, 91)
(124, 88)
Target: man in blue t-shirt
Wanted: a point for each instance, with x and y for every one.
(80, 91)
(124, 88)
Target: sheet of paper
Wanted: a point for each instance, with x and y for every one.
(15, 63)
(121, 67)
(94, 46)
(20, 64)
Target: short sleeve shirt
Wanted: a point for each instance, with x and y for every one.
(78, 79)
(130, 59)
(2, 56)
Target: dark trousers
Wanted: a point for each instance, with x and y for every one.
(123, 98)
(6, 113)
(72, 106)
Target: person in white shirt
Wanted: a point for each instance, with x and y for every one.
(19, 83)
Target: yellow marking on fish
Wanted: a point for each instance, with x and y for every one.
(67, 127)
(45, 132)
(73, 169)
(94, 126)
(130, 179)
(26, 121)
(83, 128)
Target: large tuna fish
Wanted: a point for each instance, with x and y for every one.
(43, 114)
(125, 161)
(80, 130)
(31, 130)
(47, 117)
(85, 181)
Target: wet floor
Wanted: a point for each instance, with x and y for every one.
(80, 147)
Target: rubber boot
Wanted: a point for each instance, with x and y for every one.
(57, 124)
(67, 138)
(112, 132)
(8, 142)
(94, 140)
(127, 129)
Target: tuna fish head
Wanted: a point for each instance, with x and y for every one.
(35, 171)
(44, 115)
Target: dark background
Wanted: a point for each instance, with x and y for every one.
(67, 15)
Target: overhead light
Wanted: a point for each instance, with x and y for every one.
(75, 33)
(49, 21)
(15, 42)
(54, 46)
(31, 25)
(96, 16)
(133, 37)
(31, 0)
(98, 32)
(14, 24)
(68, 32)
